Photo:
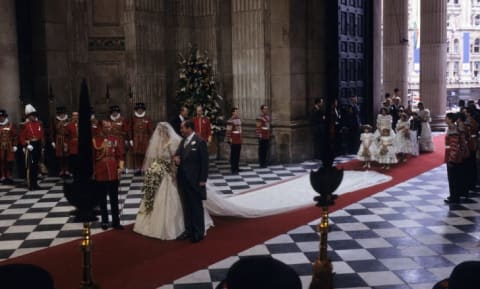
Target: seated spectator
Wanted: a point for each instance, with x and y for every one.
(25, 276)
(464, 276)
(260, 272)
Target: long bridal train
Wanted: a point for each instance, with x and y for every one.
(280, 198)
(165, 221)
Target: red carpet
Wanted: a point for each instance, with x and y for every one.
(123, 259)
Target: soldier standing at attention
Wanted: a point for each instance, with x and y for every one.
(119, 125)
(109, 161)
(202, 125)
(8, 146)
(453, 159)
(234, 138)
(71, 138)
(140, 133)
(263, 134)
(32, 138)
(57, 130)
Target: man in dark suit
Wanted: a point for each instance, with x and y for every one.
(192, 161)
(177, 120)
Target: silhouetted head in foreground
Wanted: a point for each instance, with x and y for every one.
(260, 272)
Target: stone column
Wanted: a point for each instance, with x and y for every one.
(289, 71)
(145, 55)
(56, 68)
(377, 56)
(9, 73)
(395, 47)
(433, 54)
(77, 36)
(250, 88)
(248, 57)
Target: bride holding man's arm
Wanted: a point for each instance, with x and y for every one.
(161, 210)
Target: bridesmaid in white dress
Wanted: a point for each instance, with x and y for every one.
(384, 120)
(425, 138)
(385, 151)
(161, 215)
(404, 141)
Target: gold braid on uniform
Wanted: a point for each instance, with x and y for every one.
(103, 147)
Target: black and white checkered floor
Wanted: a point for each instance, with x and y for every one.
(404, 237)
(33, 220)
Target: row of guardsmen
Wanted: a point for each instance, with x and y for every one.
(133, 134)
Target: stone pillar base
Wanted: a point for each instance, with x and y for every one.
(288, 145)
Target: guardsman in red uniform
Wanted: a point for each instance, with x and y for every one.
(234, 138)
(453, 158)
(8, 146)
(57, 130)
(141, 130)
(464, 151)
(71, 138)
(202, 125)
(263, 135)
(471, 128)
(109, 161)
(32, 138)
(120, 127)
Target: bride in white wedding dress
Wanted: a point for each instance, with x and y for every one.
(161, 215)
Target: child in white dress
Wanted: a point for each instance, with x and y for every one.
(403, 141)
(385, 151)
(366, 151)
(384, 120)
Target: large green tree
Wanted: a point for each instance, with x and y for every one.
(197, 86)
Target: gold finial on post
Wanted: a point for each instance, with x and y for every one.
(87, 246)
(322, 267)
(324, 181)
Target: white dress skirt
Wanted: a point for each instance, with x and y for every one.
(367, 150)
(165, 221)
(403, 141)
(425, 141)
(386, 151)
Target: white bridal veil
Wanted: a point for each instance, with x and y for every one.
(163, 144)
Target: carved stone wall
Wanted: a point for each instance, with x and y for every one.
(9, 70)
(263, 52)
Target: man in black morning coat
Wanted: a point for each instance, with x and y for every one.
(192, 161)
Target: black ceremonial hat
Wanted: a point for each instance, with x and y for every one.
(61, 109)
(114, 108)
(140, 105)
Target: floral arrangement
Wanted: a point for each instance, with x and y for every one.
(383, 150)
(366, 152)
(197, 85)
(153, 178)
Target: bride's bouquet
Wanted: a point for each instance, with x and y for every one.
(153, 178)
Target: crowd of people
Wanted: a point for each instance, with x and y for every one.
(461, 151)
(399, 134)
(399, 131)
(402, 132)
